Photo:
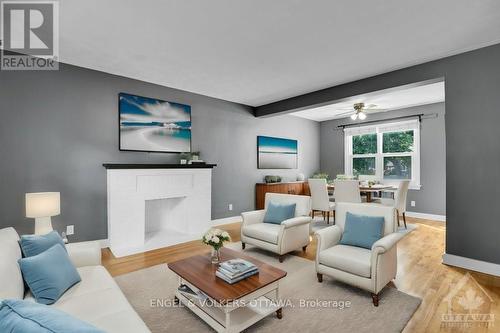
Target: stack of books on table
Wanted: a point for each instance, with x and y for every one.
(235, 270)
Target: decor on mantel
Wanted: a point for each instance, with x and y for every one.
(152, 125)
(216, 239)
(301, 177)
(276, 153)
(191, 158)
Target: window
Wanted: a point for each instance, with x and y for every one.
(389, 152)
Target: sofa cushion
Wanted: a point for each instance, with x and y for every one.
(11, 285)
(362, 230)
(31, 245)
(351, 259)
(27, 317)
(277, 213)
(266, 232)
(98, 300)
(49, 274)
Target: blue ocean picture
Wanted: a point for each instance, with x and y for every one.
(276, 153)
(149, 124)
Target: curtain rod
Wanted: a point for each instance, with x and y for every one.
(419, 116)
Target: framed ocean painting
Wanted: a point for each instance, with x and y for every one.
(152, 125)
(276, 153)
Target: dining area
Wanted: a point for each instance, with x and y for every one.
(326, 195)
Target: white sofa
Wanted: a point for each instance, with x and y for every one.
(97, 299)
(290, 235)
(368, 269)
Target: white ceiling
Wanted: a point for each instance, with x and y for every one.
(380, 101)
(259, 51)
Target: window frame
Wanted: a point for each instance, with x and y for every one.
(380, 129)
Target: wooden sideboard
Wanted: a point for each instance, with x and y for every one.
(299, 188)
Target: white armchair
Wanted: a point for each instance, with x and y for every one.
(368, 269)
(290, 235)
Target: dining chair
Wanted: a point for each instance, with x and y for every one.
(399, 201)
(347, 191)
(320, 199)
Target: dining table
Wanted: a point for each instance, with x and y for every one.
(368, 190)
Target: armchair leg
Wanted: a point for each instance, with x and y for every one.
(334, 217)
(404, 220)
(242, 245)
(375, 299)
(328, 218)
(281, 258)
(320, 277)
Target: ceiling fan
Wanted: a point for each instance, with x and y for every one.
(360, 110)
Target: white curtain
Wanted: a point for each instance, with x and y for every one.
(399, 126)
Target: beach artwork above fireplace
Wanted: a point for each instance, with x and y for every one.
(153, 125)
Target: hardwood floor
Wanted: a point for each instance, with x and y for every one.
(420, 273)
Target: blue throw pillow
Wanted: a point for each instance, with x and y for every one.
(31, 245)
(49, 274)
(18, 316)
(277, 213)
(362, 231)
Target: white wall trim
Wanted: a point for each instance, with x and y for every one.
(104, 243)
(427, 216)
(227, 220)
(472, 264)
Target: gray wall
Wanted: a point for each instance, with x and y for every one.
(58, 127)
(472, 141)
(431, 198)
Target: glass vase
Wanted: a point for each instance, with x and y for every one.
(215, 257)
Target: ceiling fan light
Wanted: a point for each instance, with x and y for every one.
(362, 116)
(354, 116)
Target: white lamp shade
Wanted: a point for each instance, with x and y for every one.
(43, 204)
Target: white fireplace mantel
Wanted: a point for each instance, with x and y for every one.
(156, 205)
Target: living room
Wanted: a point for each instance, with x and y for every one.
(133, 145)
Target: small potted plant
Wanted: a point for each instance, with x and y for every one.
(216, 239)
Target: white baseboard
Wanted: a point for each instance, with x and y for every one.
(104, 243)
(471, 264)
(427, 216)
(227, 220)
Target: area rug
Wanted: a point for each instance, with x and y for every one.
(151, 290)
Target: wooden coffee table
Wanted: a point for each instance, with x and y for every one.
(229, 307)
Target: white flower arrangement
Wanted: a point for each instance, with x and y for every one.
(216, 238)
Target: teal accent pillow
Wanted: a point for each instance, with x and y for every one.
(31, 245)
(362, 231)
(18, 316)
(277, 213)
(49, 274)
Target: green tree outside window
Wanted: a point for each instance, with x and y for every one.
(398, 142)
(364, 144)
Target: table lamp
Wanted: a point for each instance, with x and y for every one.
(41, 206)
